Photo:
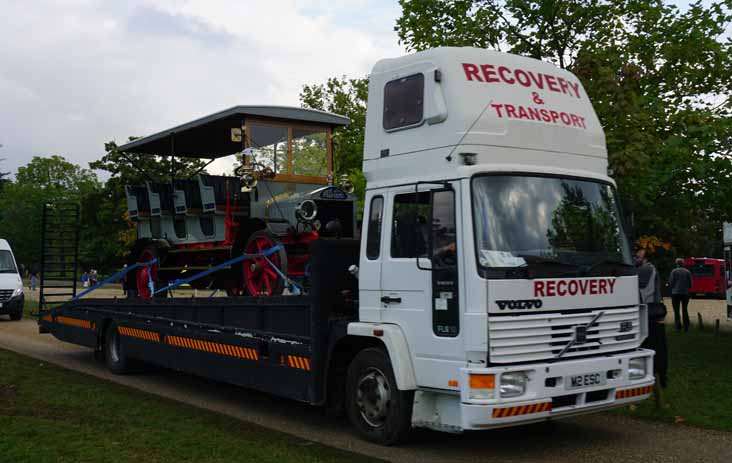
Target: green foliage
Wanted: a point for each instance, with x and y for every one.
(3, 175)
(660, 80)
(309, 154)
(104, 231)
(346, 97)
(42, 180)
(136, 169)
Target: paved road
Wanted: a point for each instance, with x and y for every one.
(595, 438)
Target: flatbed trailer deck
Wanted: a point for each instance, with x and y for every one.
(280, 345)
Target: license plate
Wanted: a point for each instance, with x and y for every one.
(585, 380)
(1, 305)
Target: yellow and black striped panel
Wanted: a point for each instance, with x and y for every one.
(213, 347)
(75, 322)
(140, 334)
(521, 410)
(295, 361)
(636, 391)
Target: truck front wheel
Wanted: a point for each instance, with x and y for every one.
(114, 353)
(376, 407)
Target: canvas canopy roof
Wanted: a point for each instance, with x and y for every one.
(210, 136)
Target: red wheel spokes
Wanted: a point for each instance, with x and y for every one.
(261, 280)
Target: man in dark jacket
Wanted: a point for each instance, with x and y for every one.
(680, 281)
(649, 285)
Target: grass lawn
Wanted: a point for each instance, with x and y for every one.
(30, 308)
(700, 380)
(49, 414)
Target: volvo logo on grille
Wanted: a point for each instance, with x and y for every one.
(580, 334)
(580, 331)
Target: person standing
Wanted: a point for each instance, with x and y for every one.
(84, 279)
(34, 273)
(124, 280)
(649, 284)
(680, 281)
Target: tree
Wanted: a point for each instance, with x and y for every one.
(346, 97)
(41, 180)
(660, 80)
(3, 176)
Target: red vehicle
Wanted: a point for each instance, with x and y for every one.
(707, 276)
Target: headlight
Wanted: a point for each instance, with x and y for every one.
(513, 384)
(637, 368)
(17, 292)
(482, 386)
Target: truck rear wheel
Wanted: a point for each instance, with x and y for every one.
(114, 353)
(376, 407)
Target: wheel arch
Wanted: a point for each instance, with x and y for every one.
(392, 339)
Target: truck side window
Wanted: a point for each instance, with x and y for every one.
(410, 229)
(404, 102)
(444, 234)
(445, 308)
(373, 238)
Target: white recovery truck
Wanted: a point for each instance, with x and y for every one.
(494, 277)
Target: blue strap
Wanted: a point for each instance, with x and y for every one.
(233, 261)
(115, 277)
(291, 285)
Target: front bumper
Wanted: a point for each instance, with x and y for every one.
(543, 401)
(12, 305)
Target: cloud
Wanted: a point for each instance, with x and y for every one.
(77, 73)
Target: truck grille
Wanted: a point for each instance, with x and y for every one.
(529, 337)
(5, 294)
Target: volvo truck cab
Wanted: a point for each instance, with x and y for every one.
(493, 243)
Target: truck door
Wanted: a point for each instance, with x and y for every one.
(419, 278)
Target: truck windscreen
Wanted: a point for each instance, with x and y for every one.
(539, 226)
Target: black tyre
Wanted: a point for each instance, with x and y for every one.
(376, 407)
(15, 316)
(114, 352)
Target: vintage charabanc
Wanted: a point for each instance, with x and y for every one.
(280, 198)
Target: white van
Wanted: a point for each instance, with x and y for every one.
(12, 298)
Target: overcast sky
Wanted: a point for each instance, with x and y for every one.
(77, 73)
